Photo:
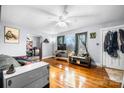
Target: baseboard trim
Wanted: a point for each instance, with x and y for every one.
(96, 64)
(47, 57)
(93, 64)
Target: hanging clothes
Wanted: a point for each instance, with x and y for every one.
(107, 41)
(121, 31)
(111, 43)
(115, 45)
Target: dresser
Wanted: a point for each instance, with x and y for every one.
(35, 75)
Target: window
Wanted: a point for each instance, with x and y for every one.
(80, 46)
(60, 40)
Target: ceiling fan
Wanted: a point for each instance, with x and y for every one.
(63, 22)
(62, 19)
(65, 19)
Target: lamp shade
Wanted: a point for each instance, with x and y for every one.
(46, 41)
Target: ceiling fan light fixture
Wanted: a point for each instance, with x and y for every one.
(61, 24)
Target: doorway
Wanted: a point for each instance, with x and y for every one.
(107, 60)
(34, 48)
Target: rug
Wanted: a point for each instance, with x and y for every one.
(115, 75)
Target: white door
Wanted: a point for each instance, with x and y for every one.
(111, 62)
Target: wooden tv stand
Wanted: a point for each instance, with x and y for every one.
(83, 61)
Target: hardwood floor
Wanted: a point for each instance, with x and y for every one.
(65, 75)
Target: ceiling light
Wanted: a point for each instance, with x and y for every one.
(61, 24)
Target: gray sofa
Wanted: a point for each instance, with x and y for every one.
(6, 61)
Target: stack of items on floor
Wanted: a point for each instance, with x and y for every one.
(111, 42)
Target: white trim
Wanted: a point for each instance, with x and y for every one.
(62, 58)
(47, 57)
(99, 64)
(101, 48)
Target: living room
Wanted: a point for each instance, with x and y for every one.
(68, 42)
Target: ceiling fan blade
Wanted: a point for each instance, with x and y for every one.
(52, 23)
(44, 11)
(68, 24)
(79, 16)
(64, 10)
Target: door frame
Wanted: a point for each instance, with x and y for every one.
(102, 43)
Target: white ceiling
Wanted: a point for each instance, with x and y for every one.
(45, 17)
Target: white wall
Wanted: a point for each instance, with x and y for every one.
(13, 49)
(0, 13)
(47, 48)
(20, 49)
(93, 48)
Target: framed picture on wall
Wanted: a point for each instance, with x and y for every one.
(93, 35)
(11, 35)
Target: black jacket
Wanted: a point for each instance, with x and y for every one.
(121, 31)
(115, 41)
(107, 40)
(111, 43)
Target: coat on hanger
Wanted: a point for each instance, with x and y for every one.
(121, 31)
(111, 43)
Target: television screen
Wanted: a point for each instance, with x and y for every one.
(62, 47)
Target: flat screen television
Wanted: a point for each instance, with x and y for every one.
(62, 47)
